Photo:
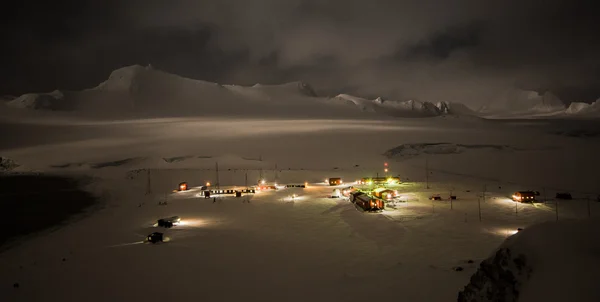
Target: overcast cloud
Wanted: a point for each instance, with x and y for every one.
(462, 50)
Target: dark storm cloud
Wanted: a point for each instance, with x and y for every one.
(463, 50)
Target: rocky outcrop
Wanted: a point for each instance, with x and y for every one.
(497, 279)
(7, 164)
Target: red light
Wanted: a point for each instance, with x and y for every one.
(385, 164)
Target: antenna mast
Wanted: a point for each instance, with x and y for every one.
(217, 169)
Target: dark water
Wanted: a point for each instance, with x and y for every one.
(32, 203)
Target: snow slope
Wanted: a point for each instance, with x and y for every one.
(546, 262)
(275, 248)
(584, 109)
(530, 104)
(143, 91)
(523, 102)
(149, 92)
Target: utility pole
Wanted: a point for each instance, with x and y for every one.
(484, 189)
(544, 191)
(427, 172)
(276, 174)
(450, 199)
(588, 205)
(556, 207)
(516, 208)
(148, 184)
(479, 204)
(246, 183)
(217, 170)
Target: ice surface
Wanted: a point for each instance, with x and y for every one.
(269, 246)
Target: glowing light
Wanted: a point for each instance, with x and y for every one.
(263, 182)
(208, 183)
(385, 170)
(385, 164)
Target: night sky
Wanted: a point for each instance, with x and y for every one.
(455, 50)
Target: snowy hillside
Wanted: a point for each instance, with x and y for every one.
(545, 262)
(144, 90)
(410, 108)
(584, 109)
(54, 100)
(523, 102)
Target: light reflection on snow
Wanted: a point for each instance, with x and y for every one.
(187, 222)
(503, 232)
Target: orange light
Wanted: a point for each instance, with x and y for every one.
(385, 170)
(208, 183)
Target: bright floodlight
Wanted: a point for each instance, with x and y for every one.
(208, 183)
(263, 181)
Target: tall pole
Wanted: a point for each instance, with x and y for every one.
(516, 208)
(246, 183)
(484, 189)
(589, 209)
(544, 190)
(450, 199)
(427, 173)
(217, 171)
(148, 184)
(276, 174)
(479, 205)
(556, 207)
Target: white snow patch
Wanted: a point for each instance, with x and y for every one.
(408, 108)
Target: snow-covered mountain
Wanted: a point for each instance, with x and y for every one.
(523, 103)
(409, 108)
(138, 89)
(584, 109)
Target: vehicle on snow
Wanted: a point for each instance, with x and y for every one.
(169, 222)
(155, 237)
(368, 203)
(335, 181)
